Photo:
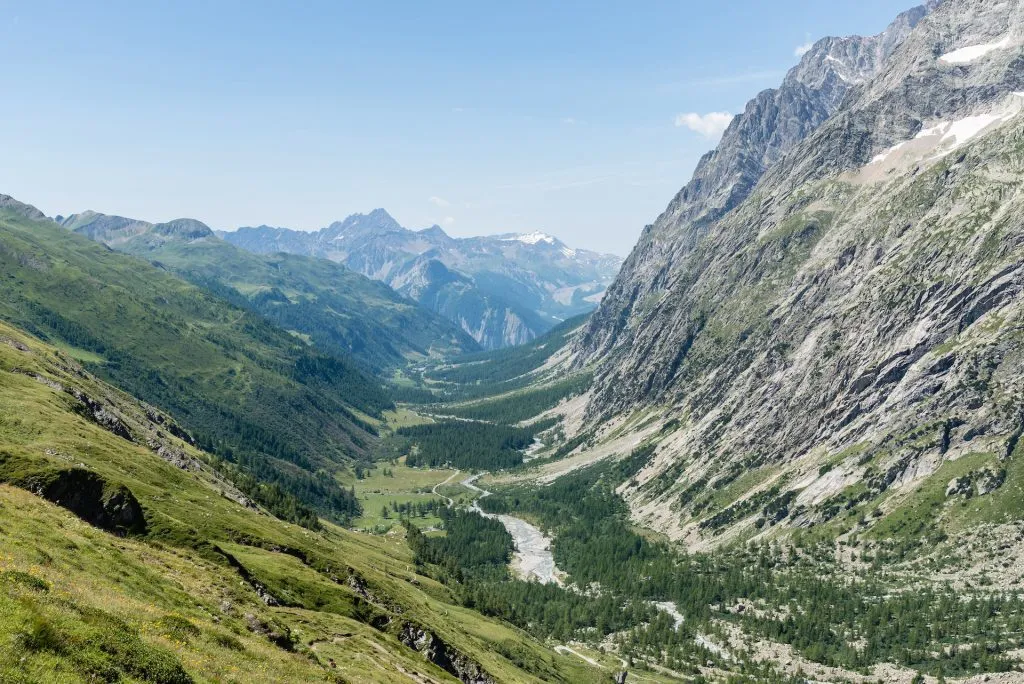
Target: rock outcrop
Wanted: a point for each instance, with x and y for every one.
(111, 507)
(439, 653)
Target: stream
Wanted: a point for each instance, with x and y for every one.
(533, 557)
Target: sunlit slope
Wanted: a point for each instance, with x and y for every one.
(250, 391)
(179, 580)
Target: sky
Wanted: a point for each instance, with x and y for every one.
(579, 119)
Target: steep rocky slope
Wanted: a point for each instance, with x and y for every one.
(848, 334)
(503, 290)
(772, 123)
(337, 309)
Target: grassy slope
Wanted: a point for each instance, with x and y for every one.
(404, 485)
(227, 375)
(337, 308)
(169, 604)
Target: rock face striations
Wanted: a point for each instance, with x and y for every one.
(831, 307)
(772, 123)
(502, 290)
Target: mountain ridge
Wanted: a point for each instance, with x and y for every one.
(269, 405)
(843, 307)
(771, 123)
(340, 310)
(507, 291)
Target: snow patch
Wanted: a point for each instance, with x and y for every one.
(960, 132)
(532, 238)
(973, 52)
(837, 72)
(952, 134)
(884, 155)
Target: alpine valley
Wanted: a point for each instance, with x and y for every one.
(781, 442)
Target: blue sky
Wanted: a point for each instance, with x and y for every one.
(483, 117)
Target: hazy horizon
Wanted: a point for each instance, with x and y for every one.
(575, 122)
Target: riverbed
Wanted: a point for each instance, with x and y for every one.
(533, 559)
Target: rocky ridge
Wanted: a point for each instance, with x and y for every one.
(842, 330)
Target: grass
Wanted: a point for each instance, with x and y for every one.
(928, 507)
(405, 485)
(402, 417)
(372, 519)
(1005, 504)
(735, 490)
(83, 356)
(78, 603)
(125, 590)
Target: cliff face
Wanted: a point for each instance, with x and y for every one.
(771, 124)
(835, 306)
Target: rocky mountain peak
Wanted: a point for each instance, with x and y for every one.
(377, 221)
(772, 123)
(434, 232)
(853, 59)
(9, 204)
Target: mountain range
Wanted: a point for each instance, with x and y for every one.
(502, 290)
(330, 305)
(785, 447)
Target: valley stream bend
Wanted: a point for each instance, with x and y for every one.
(533, 558)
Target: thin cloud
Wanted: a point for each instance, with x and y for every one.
(448, 221)
(439, 201)
(802, 50)
(569, 121)
(710, 125)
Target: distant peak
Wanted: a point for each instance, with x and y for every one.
(377, 220)
(185, 228)
(381, 215)
(434, 231)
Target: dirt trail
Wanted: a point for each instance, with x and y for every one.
(451, 477)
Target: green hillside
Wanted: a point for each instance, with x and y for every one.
(254, 394)
(338, 310)
(179, 579)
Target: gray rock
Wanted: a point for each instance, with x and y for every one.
(790, 299)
